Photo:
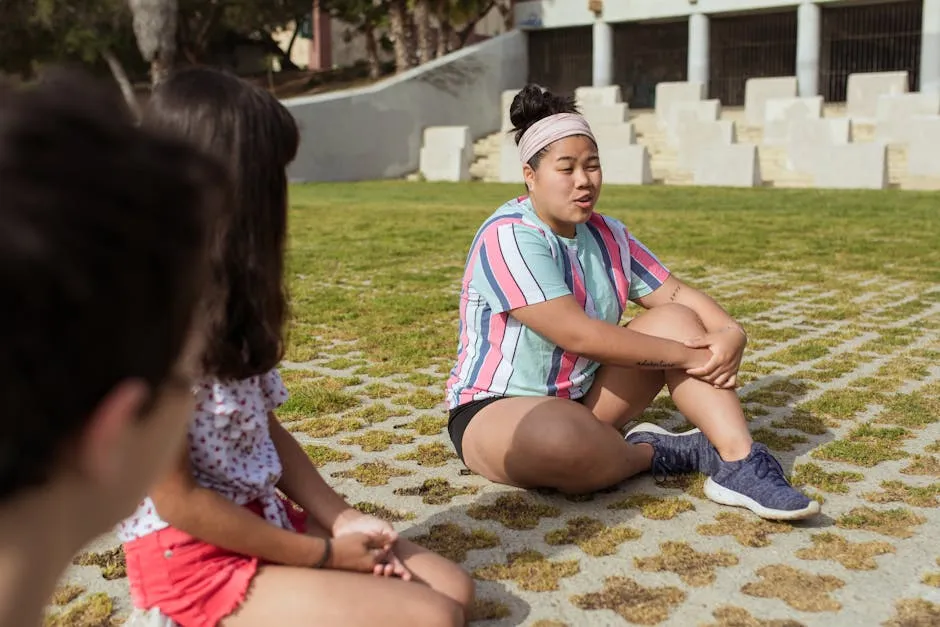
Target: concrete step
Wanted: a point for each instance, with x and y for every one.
(773, 159)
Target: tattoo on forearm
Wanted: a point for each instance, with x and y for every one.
(647, 363)
(675, 293)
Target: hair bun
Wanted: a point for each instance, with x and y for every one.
(534, 103)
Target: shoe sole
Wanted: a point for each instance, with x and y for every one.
(649, 427)
(724, 496)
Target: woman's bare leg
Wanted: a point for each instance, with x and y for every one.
(549, 442)
(716, 412)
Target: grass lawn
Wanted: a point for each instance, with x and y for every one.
(840, 292)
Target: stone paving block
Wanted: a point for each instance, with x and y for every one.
(510, 169)
(668, 94)
(626, 164)
(689, 113)
(853, 166)
(598, 114)
(807, 139)
(780, 113)
(696, 137)
(896, 111)
(757, 91)
(735, 165)
(864, 90)
(923, 151)
(598, 95)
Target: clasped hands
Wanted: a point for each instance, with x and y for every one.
(366, 544)
(727, 348)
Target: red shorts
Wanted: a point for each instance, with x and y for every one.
(194, 583)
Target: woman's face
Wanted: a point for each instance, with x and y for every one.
(567, 183)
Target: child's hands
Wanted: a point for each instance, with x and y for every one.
(358, 552)
(363, 523)
(377, 528)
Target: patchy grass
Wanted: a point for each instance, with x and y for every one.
(814, 475)
(592, 536)
(530, 570)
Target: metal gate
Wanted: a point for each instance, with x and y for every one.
(646, 54)
(749, 46)
(869, 38)
(561, 59)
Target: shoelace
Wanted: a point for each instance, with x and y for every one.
(665, 465)
(766, 464)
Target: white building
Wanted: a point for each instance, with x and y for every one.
(638, 43)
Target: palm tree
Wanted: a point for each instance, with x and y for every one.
(155, 29)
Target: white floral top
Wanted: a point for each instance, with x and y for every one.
(230, 449)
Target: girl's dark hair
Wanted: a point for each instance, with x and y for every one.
(532, 104)
(257, 137)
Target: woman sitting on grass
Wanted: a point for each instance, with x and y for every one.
(215, 543)
(546, 379)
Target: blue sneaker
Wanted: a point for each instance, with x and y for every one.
(676, 453)
(757, 482)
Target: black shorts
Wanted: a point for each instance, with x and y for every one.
(461, 416)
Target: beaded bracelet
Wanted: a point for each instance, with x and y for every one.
(327, 553)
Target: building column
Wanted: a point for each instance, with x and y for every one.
(698, 49)
(321, 48)
(930, 48)
(808, 17)
(603, 70)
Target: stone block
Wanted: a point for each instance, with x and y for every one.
(449, 138)
(780, 113)
(505, 102)
(613, 135)
(896, 111)
(853, 166)
(689, 113)
(757, 91)
(510, 168)
(808, 139)
(626, 165)
(668, 94)
(865, 89)
(600, 114)
(735, 165)
(598, 95)
(443, 164)
(698, 137)
(923, 151)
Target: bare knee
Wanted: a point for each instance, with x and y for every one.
(671, 320)
(460, 588)
(442, 611)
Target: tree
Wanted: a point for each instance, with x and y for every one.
(364, 17)
(422, 17)
(400, 33)
(155, 25)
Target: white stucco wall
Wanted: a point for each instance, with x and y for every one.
(375, 132)
(562, 13)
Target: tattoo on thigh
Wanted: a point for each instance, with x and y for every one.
(647, 363)
(675, 293)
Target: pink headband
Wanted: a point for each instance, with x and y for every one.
(549, 130)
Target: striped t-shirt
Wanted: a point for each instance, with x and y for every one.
(516, 260)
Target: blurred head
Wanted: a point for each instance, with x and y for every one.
(103, 258)
(257, 138)
(561, 165)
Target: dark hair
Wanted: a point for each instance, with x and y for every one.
(532, 104)
(103, 232)
(257, 137)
